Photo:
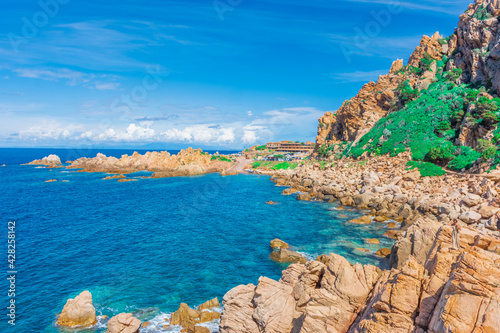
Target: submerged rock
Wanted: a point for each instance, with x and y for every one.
(124, 323)
(362, 220)
(78, 312)
(383, 252)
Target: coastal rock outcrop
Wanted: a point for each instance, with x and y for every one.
(188, 318)
(50, 161)
(444, 290)
(284, 255)
(124, 323)
(309, 298)
(187, 162)
(78, 312)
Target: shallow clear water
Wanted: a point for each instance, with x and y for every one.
(151, 244)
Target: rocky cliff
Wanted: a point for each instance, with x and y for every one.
(459, 75)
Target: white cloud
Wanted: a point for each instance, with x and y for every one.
(71, 77)
(205, 134)
(133, 133)
(250, 113)
(249, 137)
(279, 124)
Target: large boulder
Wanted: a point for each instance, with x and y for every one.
(470, 217)
(274, 306)
(472, 199)
(238, 311)
(78, 312)
(394, 302)
(284, 255)
(278, 243)
(416, 241)
(124, 323)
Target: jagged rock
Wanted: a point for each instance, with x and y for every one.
(187, 317)
(124, 323)
(394, 302)
(51, 161)
(396, 66)
(416, 242)
(238, 310)
(213, 303)
(186, 163)
(78, 312)
(274, 306)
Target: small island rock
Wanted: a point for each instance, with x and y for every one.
(78, 312)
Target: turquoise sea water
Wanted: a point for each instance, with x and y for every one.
(148, 245)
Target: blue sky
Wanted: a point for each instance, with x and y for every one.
(214, 74)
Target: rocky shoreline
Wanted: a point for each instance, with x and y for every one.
(430, 288)
(188, 162)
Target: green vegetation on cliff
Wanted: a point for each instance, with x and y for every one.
(429, 122)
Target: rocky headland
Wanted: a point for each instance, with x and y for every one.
(188, 162)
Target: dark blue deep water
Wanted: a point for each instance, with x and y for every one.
(148, 245)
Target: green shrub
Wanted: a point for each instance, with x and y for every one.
(263, 147)
(406, 92)
(466, 157)
(426, 169)
(486, 149)
(220, 158)
(441, 154)
(426, 62)
(284, 166)
(486, 110)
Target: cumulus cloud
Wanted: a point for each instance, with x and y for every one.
(280, 124)
(133, 133)
(249, 137)
(204, 133)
